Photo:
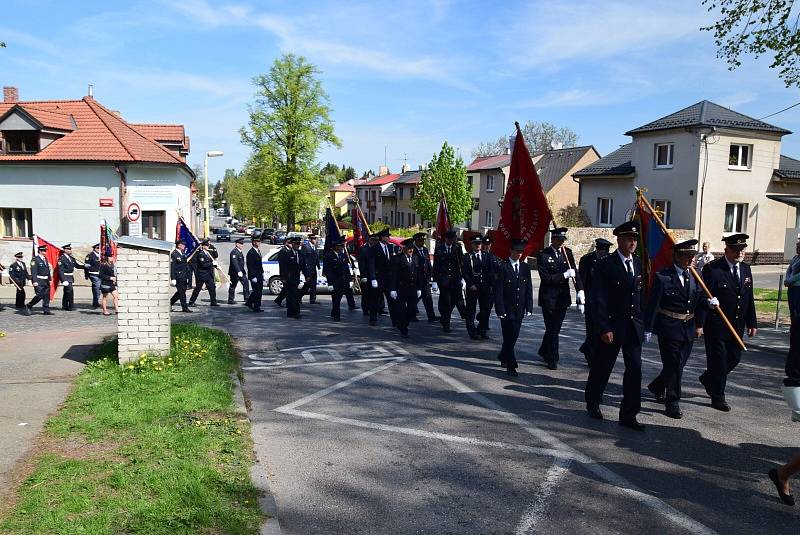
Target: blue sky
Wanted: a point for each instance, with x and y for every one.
(403, 75)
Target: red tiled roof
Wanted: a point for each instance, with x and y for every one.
(490, 162)
(47, 118)
(382, 180)
(344, 186)
(100, 135)
(162, 132)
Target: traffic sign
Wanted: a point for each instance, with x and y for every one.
(134, 212)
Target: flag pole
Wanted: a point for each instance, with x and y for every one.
(691, 268)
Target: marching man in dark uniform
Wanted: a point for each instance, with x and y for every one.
(427, 269)
(405, 285)
(675, 311)
(310, 262)
(378, 273)
(41, 277)
(18, 272)
(204, 265)
(337, 271)
(730, 281)
(364, 259)
(66, 274)
(91, 270)
(513, 301)
(447, 263)
(290, 267)
(237, 272)
(255, 270)
(477, 272)
(555, 272)
(586, 273)
(617, 325)
(179, 274)
(278, 301)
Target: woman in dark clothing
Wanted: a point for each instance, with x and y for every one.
(108, 285)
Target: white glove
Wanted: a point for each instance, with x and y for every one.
(357, 272)
(419, 294)
(569, 274)
(364, 280)
(374, 283)
(581, 297)
(300, 286)
(65, 283)
(393, 294)
(173, 282)
(647, 337)
(214, 263)
(502, 316)
(240, 274)
(435, 287)
(528, 314)
(713, 302)
(463, 284)
(254, 279)
(351, 284)
(36, 284)
(330, 288)
(581, 309)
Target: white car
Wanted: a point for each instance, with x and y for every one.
(249, 230)
(272, 279)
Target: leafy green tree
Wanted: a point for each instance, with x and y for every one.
(289, 122)
(349, 173)
(539, 137)
(2, 44)
(758, 27)
(445, 173)
(573, 215)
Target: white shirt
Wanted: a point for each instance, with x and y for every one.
(731, 266)
(385, 250)
(680, 273)
(515, 265)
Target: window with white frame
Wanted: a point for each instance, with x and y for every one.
(663, 155)
(663, 208)
(489, 218)
(605, 210)
(469, 180)
(740, 156)
(735, 217)
(490, 183)
(16, 223)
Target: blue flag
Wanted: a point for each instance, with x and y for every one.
(332, 233)
(183, 233)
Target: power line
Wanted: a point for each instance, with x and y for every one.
(781, 111)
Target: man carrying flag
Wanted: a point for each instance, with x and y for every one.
(42, 277)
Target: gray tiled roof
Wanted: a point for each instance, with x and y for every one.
(389, 191)
(789, 168)
(408, 176)
(707, 113)
(554, 164)
(613, 164)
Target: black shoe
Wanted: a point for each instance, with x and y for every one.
(483, 336)
(404, 334)
(353, 308)
(191, 304)
(94, 306)
(433, 319)
(248, 304)
(297, 317)
(702, 382)
(504, 364)
(631, 423)
(28, 310)
(277, 303)
(720, 405)
(512, 372)
(787, 499)
(657, 394)
(335, 318)
(552, 365)
(594, 411)
(314, 303)
(674, 412)
(373, 323)
(446, 328)
(474, 336)
(187, 310)
(257, 310)
(215, 304)
(48, 313)
(231, 302)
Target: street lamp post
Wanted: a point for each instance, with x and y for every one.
(209, 154)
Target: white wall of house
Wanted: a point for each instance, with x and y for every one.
(161, 189)
(619, 190)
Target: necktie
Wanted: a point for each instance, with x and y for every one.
(629, 265)
(516, 269)
(409, 260)
(686, 279)
(736, 277)
(385, 251)
(448, 249)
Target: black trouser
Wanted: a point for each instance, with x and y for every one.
(336, 299)
(348, 294)
(20, 301)
(310, 288)
(41, 293)
(404, 307)
(511, 328)
(586, 346)
(254, 297)
(366, 291)
(292, 297)
(232, 288)
(95, 280)
(210, 286)
(674, 354)
(553, 319)
(68, 297)
(482, 297)
(379, 299)
(793, 357)
(604, 356)
(722, 356)
(427, 301)
(281, 295)
(180, 294)
(450, 297)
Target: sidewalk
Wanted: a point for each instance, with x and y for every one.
(768, 339)
(36, 372)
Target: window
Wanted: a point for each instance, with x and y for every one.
(735, 217)
(21, 141)
(374, 194)
(663, 208)
(413, 193)
(402, 219)
(412, 219)
(740, 156)
(153, 225)
(663, 155)
(489, 218)
(469, 180)
(15, 223)
(605, 211)
(400, 193)
(490, 184)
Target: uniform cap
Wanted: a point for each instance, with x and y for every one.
(19, 255)
(602, 243)
(384, 233)
(688, 246)
(476, 239)
(560, 232)
(254, 240)
(178, 242)
(240, 240)
(295, 239)
(628, 228)
(420, 236)
(374, 236)
(518, 245)
(42, 248)
(96, 246)
(737, 241)
(338, 241)
(450, 234)
(205, 241)
(312, 236)
(487, 240)
(408, 243)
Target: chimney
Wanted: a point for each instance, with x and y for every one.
(383, 170)
(10, 94)
(91, 90)
(406, 168)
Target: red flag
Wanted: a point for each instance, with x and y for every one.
(655, 245)
(525, 214)
(360, 232)
(52, 255)
(443, 223)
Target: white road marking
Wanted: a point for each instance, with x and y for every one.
(533, 516)
(307, 364)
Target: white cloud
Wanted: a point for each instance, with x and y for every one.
(737, 99)
(567, 98)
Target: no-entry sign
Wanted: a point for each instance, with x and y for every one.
(134, 212)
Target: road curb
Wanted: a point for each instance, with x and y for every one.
(258, 474)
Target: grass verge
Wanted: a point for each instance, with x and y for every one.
(766, 303)
(154, 447)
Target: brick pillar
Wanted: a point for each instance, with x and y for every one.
(10, 95)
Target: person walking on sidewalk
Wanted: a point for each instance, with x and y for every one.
(513, 301)
(204, 274)
(91, 270)
(237, 273)
(180, 272)
(108, 286)
(66, 274)
(404, 285)
(18, 272)
(41, 276)
(289, 269)
(792, 281)
(309, 260)
(780, 478)
(255, 270)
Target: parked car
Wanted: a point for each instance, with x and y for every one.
(273, 280)
(256, 232)
(396, 241)
(241, 229)
(279, 237)
(249, 229)
(223, 234)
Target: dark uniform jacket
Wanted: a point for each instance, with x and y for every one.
(179, 267)
(737, 304)
(236, 265)
(668, 294)
(204, 265)
(586, 271)
(18, 272)
(554, 288)
(40, 271)
(513, 294)
(477, 273)
(91, 265)
(289, 265)
(309, 260)
(378, 263)
(447, 266)
(106, 275)
(617, 303)
(66, 268)
(364, 259)
(255, 268)
(425, 262)
(404, 275)
(337, 269)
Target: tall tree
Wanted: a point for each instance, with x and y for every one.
(445, 174)
(289, 122)
(349, 173)
(758, 27)
(539, 137)
(2, 44)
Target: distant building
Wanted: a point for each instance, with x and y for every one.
(369, 194)
(339, 197)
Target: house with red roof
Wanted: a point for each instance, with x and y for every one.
(339, 197)
(68, 165)
(369, 195)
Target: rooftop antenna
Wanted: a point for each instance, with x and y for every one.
(385, 147)
(91, 90)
